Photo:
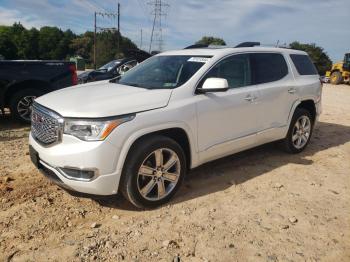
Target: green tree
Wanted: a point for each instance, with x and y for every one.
(210, 40)
(82, 46)
(16, 33)
(51, 43)
(107, 47)
(28, 44)
(63, 50)
(8, 49)
(317, 55)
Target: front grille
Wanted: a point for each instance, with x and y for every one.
(46, 125)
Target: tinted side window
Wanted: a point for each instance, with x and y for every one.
(268, 67)
(235, 69)
(304, 65)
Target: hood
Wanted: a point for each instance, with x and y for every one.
(103, 99)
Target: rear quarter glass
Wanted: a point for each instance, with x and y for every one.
(303, 64)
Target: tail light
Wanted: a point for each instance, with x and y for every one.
(73, 71)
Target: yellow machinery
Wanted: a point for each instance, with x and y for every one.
(340, 72)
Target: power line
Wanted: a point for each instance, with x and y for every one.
(145, 10)
(98, 5)
(93, 6)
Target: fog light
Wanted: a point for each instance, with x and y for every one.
(78, 174)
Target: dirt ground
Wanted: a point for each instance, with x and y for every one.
(259, 205)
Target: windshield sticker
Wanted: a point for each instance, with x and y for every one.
(169, 85)
(198, 59)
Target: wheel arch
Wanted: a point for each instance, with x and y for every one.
(27, 84)
(180, 133)
(308, 104)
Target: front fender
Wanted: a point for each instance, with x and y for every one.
(152, 129)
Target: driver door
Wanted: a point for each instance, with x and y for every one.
(227, 121)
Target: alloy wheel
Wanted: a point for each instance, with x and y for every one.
(24, 107)
(158, 174)
(301, 132)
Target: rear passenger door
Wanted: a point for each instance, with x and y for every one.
(276, 87)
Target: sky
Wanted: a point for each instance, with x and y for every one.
(324, 22)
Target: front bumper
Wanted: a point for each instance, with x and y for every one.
(73, 152)
(318, 106)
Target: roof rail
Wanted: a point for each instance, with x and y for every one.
(248, 44)
(196, 46)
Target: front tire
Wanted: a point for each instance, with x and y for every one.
(21, 104)
(300, 131)
(153, 172)
(336, 78)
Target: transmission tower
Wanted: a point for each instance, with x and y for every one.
(158, 12)
(112, 29)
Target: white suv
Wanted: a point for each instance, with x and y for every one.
(141, 133)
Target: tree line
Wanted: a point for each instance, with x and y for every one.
(52, 43)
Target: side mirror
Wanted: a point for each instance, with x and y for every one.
(214, 84)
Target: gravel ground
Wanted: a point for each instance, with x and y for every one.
(259, 205)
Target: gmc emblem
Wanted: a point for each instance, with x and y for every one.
(37, 119)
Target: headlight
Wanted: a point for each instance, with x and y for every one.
(93, 130)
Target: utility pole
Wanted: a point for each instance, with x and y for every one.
(108, 15)
(95, 43)
(150, 43)
(118, 27)
(118, 17)
(157, 31)
(141, 40)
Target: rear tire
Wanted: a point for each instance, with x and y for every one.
(147, 182)
(336, 78)
(21, 104)
(299, 133)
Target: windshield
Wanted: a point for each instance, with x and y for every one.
(163, 72)
(109, 66)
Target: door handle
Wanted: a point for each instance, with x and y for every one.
(250, 98)
(292, 90)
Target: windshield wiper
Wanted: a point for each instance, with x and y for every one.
(132, 84)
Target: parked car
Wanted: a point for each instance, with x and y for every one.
(22, 81)
(108, 71)
(325, 79)
(141, 133)
(114, 68)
